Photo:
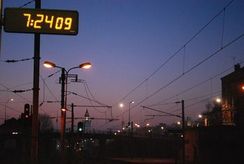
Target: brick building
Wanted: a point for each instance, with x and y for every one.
(233, 97)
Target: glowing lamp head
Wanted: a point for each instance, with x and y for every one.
(63, 109)
(218, 100)
(49, 64)
(86, 65)
(121, 105)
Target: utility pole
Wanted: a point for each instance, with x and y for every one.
(36, 72)
(182, 116)
(1, 24)
(63, 107)
(183, 131)
(72, 118)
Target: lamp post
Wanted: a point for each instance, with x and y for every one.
(64, 76)
(130, 125)
(5, 109)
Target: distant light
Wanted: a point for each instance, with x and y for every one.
(63, 109)
(162, 127)
(218, 100)
(137, 125)
(178, 123)
(149, 131)
(80, 129)
(121, 105)
(242, 87)
(118, 131)
(123, 128)
(15, 133)
(115, 133)
(199, 116)
(147, 124)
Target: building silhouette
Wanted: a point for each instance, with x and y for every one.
(233, 97)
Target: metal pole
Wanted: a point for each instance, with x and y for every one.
(129, 114)
(72, 118)
(36, 72)
(5, 113)
(62, 108)
(183, 131)
(1, 24)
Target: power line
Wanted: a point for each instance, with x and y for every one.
(193, 67)
(16, 60)
(188, 71)
(9, 90)
(27, 3)
(181, 48)
(195, 86)
(49, 90)
(88, 91)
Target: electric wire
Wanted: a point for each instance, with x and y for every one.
(88, 92)
(194, 86)
(27, 3)
(187, 71)
(9, 90)
(179, 50)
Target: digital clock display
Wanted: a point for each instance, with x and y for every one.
(41, 21)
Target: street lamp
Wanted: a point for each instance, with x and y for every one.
(64, 76)
(218, 100)
(5, 108)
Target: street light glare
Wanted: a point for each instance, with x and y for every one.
(86, 65)
(218, 100)
(49, 64)
(242, 87)
(121, 105)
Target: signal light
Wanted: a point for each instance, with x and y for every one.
(80, 127)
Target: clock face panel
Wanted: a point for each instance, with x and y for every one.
(43, 21)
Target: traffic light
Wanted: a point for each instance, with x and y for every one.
(80, 127)
(27, 110)
(26, 113)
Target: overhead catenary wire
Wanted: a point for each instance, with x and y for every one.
(180, 49)
(88, 93)
(188, 71)
(27, 3)
(195, 86)
(9, 90)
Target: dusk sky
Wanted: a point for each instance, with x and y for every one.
(152, 52)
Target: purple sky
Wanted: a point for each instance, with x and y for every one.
(126, 41)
